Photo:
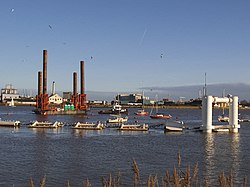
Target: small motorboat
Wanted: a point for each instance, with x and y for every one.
(117, 109)
(141, 112)
(223, 118)
(161, 116)
(173, 129)
(117, 119)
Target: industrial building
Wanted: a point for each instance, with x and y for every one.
(130, 99)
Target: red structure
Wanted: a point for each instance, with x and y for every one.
(42, 98)
(42, 101)
(75, 96)
(79, 100)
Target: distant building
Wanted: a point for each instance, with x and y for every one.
(55, 99)
(67, 96)
(125, 99)
(8, 93)
(168, 102)
(98, 102)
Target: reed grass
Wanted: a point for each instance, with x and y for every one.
(179, 178)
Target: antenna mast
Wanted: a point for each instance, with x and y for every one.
(205, 88)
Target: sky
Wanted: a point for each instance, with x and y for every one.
(127, 45)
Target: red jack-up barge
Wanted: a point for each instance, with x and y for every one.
(42, 99)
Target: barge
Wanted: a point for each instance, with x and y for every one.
(60, 112)
(9, 123)
(45, 124)
(89, 126)
(134, 127)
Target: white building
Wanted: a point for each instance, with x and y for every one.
(55, 99)
(8, 93)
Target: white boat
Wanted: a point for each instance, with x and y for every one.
(134, 127)
(141, 112)
(221, 130)
(12, 103)
(117, 109)
(173, 129)
(89, 126)
(117, 119)
(9, 123)
(174, 126)
(45, 124)
(223, 118)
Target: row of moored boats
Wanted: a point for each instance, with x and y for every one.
(85, 126)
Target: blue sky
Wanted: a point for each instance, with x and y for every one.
(134, 43)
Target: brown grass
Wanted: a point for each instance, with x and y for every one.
(179, 178)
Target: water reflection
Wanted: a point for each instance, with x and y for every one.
(235, 155)
(84, 132)
(46, 130)
(221, 153)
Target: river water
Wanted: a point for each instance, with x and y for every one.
(66, 154)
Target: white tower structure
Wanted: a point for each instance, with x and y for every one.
(207, 112)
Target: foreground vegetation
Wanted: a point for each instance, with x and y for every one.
(179, 178)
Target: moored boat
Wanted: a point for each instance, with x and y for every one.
(173, 129)
(89, 126)
(141, 112)
(134, 127)
(158, 115)
(223, 118)
(117, 119)
(9, 123)
(45, 124)
(117, 109)
(221, 130)
(161, 116)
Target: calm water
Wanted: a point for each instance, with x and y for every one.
(67, 154)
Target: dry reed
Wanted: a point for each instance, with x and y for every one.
(42, 183)
(135, 169)
(31, 182)
(178, 179)
(68, 185)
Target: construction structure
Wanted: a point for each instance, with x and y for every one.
(42, 99)
(207, 113)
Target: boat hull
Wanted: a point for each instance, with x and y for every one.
(89, 126)
(10, 123)
(173, 129)
(135, 127)
(160, 117)
(49, 125)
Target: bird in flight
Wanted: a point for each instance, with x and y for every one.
(50, 26)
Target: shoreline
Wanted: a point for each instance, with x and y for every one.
(129, 106)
